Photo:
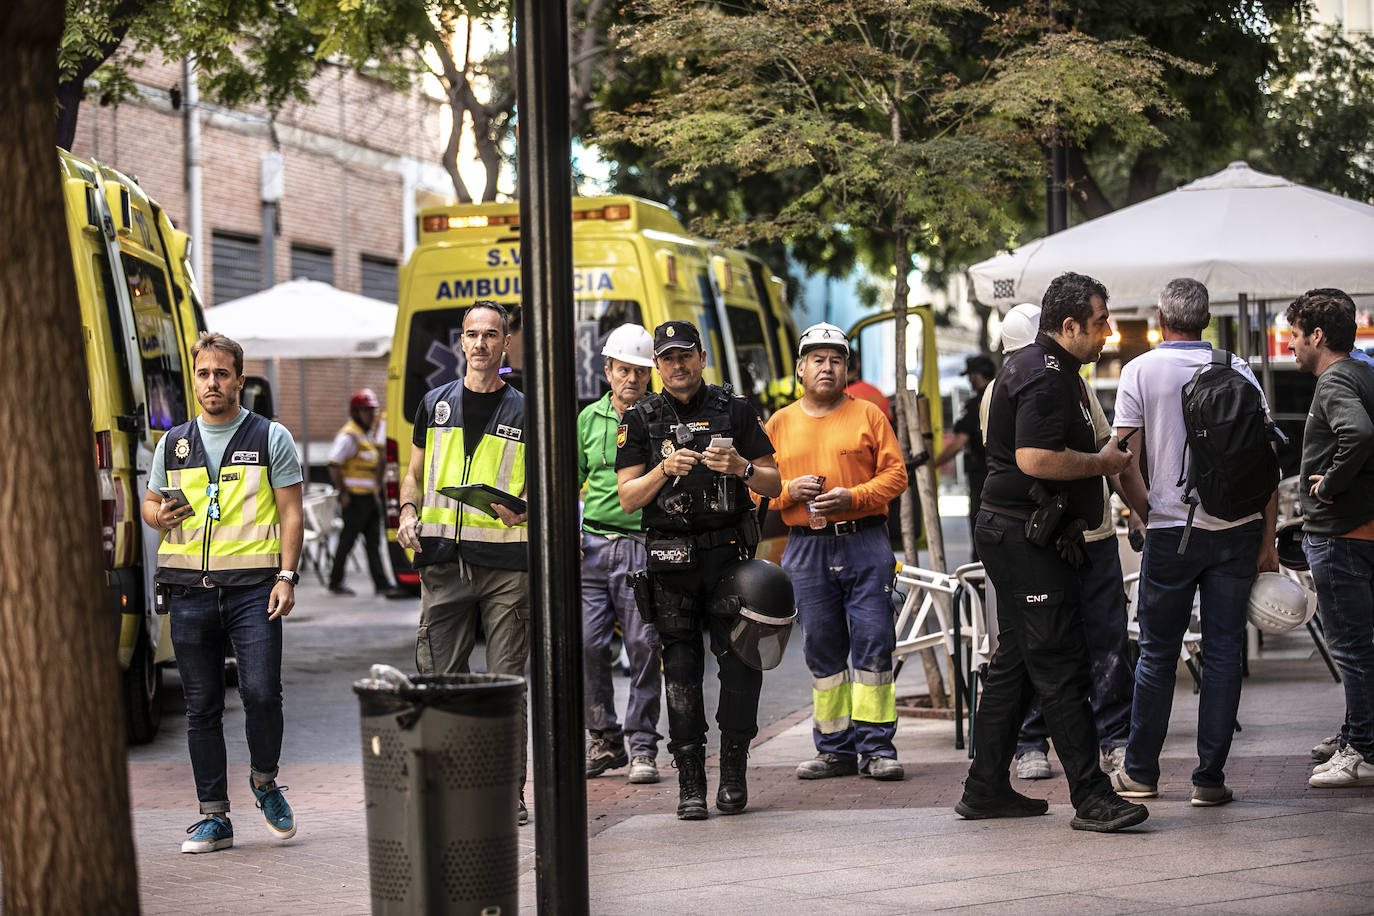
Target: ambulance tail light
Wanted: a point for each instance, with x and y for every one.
(391, 485)
(441, 222)
(104, 474)
(667, 266)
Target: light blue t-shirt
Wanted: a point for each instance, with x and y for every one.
(283, 470)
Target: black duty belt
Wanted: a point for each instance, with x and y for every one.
(603, 528)
(705, 540)
(1021, 514)
(842, 528)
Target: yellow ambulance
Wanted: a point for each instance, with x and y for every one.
(633, 262)
(140, 315)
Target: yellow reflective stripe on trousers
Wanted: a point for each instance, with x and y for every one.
(830, 697)
(875, 696)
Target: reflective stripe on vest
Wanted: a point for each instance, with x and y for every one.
(244, 545)
(360, 470)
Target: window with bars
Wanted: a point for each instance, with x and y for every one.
(236, 265)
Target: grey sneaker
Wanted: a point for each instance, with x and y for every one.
(1033, 765)
(643, 769)
(1127, 787)
(1348, 768)
(1211, 796)
(605, 754)
(1327, 749)
(823, 766)
(1114, 759)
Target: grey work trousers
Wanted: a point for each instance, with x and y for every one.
(452, 598)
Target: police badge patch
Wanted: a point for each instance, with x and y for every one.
(1051, 362)
(622, 432)
(666, 448)
(182, 449)
(442, 412)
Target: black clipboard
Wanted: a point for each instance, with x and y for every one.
(481, 497)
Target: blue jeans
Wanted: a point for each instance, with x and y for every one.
(1221, 564)
(607, 597)
(204, 622)
(1104, 625)
(1343, 574)
(843, 586)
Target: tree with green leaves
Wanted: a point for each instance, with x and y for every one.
(885, 134)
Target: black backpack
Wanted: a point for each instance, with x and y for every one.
(1229, 465)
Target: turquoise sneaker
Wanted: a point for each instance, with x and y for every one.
(275, 809)
(209, 834)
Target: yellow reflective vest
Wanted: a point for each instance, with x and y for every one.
(448, 528)
(360, 470)
(242, 545)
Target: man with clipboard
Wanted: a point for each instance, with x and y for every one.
(471, 564)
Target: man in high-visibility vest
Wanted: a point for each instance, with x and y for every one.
(224, 495)
(354, 469)
(472, 566)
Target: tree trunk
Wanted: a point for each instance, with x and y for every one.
(907, 424)
(65, 836)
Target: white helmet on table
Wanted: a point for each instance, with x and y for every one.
(1019, 326)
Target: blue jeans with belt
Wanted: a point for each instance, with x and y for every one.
(1221, 566)
(1343, 574)
(205, 622)
(607, 597)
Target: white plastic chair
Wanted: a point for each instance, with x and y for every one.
(318, 514)
(1192, 637)
(976, 636)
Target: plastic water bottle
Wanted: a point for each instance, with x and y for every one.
(815, 519)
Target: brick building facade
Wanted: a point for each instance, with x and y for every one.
(356, 164)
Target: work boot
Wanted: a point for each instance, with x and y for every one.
(733, 793)
(691, 783)
(605, 753)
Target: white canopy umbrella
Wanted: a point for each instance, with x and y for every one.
(306, 319)
(1244, 234)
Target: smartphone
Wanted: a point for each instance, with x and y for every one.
(721, 442)
(174, 494)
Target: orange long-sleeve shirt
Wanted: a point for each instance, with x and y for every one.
(853, 446)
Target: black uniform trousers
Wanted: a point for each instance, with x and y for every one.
(362, 516)
(1042, 650)
(684, 659)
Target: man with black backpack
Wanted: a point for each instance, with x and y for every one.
(1209, 514)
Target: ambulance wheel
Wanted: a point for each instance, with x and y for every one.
(142, 683)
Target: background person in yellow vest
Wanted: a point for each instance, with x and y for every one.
(227, 567)
(838, 454)
(355, 470)
(472, 566)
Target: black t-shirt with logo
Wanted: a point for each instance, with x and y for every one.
(1039, 401)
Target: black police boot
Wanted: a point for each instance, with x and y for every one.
(691, 781)
(733, 793)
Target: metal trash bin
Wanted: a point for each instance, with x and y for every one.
(441, 781)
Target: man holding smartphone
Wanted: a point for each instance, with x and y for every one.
(838, 455)
(224, 494)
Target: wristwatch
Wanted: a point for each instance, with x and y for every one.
(289, 575)
(748, 471)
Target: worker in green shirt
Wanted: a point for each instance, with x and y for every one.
(612, 548)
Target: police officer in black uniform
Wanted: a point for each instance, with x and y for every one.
(1044, 487)
(699, 522)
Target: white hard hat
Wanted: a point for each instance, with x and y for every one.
(1278, 604)
(630, 343)
(1019, 326)
(822, 335)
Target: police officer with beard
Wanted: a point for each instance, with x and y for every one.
(1044, 488)
(699, 522)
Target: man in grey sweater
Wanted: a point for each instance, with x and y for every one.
(1338, 515)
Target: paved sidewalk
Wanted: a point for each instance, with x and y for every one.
(853, 844)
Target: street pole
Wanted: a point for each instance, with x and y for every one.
(545, 182)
